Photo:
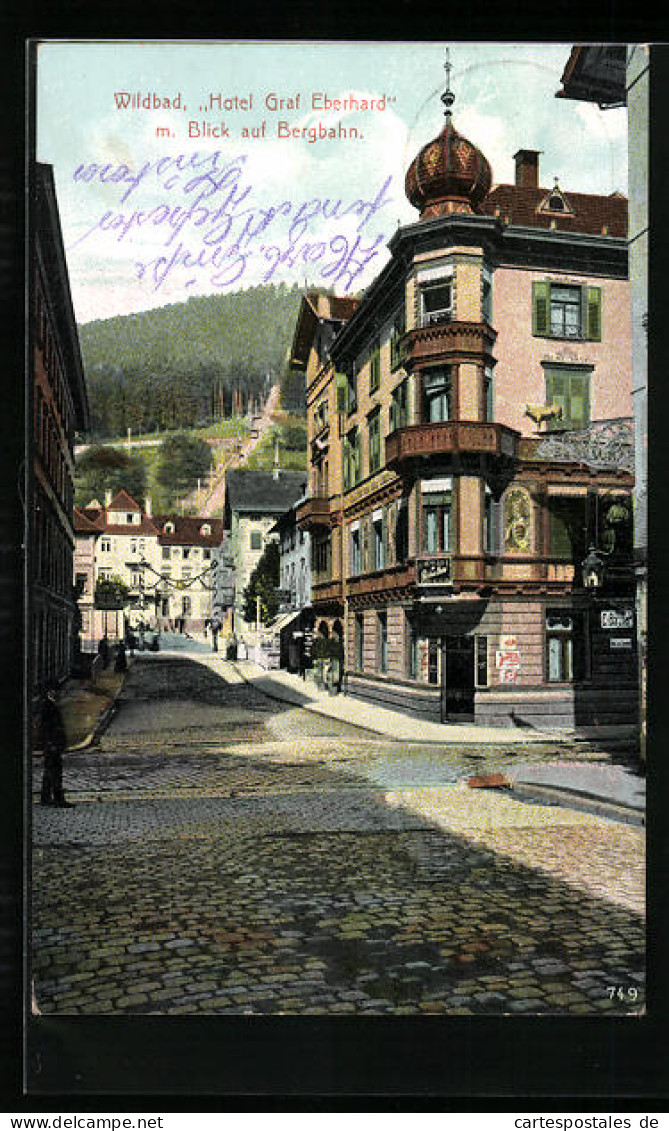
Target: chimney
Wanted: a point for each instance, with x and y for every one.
(527, 168)
(108, 499)
(147, 506)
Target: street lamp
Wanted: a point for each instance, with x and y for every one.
(593, 569)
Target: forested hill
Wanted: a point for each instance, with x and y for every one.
(188, 364)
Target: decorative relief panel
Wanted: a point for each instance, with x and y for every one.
(517, 520)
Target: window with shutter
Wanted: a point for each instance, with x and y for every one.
(568, 387)
(375, 368)
(561, 310)
(540, 309)
(341, 383)
(594, 314)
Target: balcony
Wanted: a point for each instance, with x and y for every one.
(381, 581)
(450, 437)
(313, 513)
(442, 340)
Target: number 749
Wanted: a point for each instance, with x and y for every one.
(622, 993)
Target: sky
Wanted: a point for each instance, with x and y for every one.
(229, 165)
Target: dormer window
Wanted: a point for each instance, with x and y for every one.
(556, 201)
(169, 528)
(205, 530)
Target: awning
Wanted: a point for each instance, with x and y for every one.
(283, 621)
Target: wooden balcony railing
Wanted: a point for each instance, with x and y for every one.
(313, 512)
(442, 340)
(393, 577)
(449, 437)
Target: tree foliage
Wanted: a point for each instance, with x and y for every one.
(182, 460)
(102, 468)
(188, 364)
(263, 583)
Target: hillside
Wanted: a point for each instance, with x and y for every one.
(190, 364)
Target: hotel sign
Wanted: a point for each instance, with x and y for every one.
(617, 618)
(436, 572)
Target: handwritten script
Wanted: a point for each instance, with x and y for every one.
(205, 223)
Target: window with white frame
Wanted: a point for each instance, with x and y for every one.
(437, 498)
(378, 541)
(564, 646)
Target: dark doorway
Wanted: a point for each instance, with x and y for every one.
(457, 683)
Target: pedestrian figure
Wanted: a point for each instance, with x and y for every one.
(121, 663)
(215, 629)
(103, 650)
(53, 741)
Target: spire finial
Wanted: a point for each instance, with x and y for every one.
(448, 98)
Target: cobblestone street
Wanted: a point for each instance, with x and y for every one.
(228, 854)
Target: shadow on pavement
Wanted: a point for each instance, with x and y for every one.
(305, 890)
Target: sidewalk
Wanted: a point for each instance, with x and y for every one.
(395, 724)
(86, 706)
(597, 787)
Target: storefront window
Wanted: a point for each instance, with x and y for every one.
(383, 641)
(564, 647)
(481, 657)
(358, 641)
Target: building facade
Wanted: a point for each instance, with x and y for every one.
(459, 424)
(166, 563)
(294, 624)
(59, 407)
(254, 499)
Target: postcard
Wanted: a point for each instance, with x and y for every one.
(338, 532)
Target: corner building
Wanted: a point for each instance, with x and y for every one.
(470, 443)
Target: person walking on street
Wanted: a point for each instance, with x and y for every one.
(215, 629)
(53, 741)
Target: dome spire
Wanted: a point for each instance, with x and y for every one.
(448, 98)
(449, 174)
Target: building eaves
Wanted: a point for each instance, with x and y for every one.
(50, 251)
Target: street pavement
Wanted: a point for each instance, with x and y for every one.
(230, 853)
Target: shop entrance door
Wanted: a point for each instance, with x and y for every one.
(457, 687)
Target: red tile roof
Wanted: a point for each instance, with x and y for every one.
(123, 502)
(86, 521)
(188, 530)
(590, 214)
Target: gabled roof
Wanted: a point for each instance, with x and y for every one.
(248, 490)
(590, 214)
(122, 501)
(318, 307)
(86, 521)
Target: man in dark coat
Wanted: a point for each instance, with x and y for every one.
(53, 742)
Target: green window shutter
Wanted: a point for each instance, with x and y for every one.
(557, 392)
(560, 537)
(341, 384)
(541, 309)
(593, 328)
(579, 400)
